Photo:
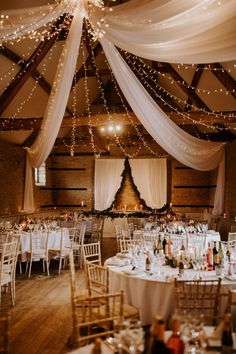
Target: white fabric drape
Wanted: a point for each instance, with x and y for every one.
(107, 181)
(177, 31)
(196, 153)
(150, 178)
(55, 109)
(22, 21)
(186, 31)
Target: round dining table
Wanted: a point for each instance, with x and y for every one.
(153, 293)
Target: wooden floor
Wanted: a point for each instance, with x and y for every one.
(41, 322)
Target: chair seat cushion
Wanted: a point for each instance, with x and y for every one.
(130, 311)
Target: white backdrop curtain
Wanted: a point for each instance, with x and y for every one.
(55, 109)
(107, 181)
(150, 178)
(196, 153)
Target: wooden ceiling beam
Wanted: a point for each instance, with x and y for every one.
(29, 66)
(223, 76)
(36, 75)
(192, 95)
(10, 124)
(81, 71)
(151, 88)
(195, 80)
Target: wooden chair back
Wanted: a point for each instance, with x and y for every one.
(92, 252)
(200, 296)
(93, 316)
(126, 243)
(97, 278)
(96, 316)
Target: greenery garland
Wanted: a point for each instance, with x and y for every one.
(111, 213)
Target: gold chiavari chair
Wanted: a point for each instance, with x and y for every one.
(125, 244)
(98, 283)
(93, 316)
(202, 296)
(92, 252)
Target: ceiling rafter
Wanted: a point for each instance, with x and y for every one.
(36, 75)
(152, 87)
(192, 95)
(223, 76)
(30, 65)
(195, 80)
(9, 124)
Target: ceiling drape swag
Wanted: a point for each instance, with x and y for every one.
(196, 153)
(21, 21)
(175, 31)
(56, 106)
(152, 29)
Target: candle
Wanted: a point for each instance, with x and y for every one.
(125, 207)
(82, 203)
(171, 204)
(224, 215)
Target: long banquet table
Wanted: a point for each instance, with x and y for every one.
(152, 294)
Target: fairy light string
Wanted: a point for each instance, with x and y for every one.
(143, 77)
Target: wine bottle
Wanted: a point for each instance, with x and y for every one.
(97, 346)
(155, 247)
(182, 248)
(228, 254)
(221, 256)
(148, 263)
(170, 247)
(164, 245)
(226, 338)
(209, 257)
(157, 344)
(181, 264)
(215, 256)
(175, 342)
(159, 247)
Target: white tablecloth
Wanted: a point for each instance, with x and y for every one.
(153, 294)
(54, 239)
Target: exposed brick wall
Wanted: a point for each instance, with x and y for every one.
(12, 170)
(230, 189)
(12, 165)
(190, 189)
(72, 179)
(127, 197)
